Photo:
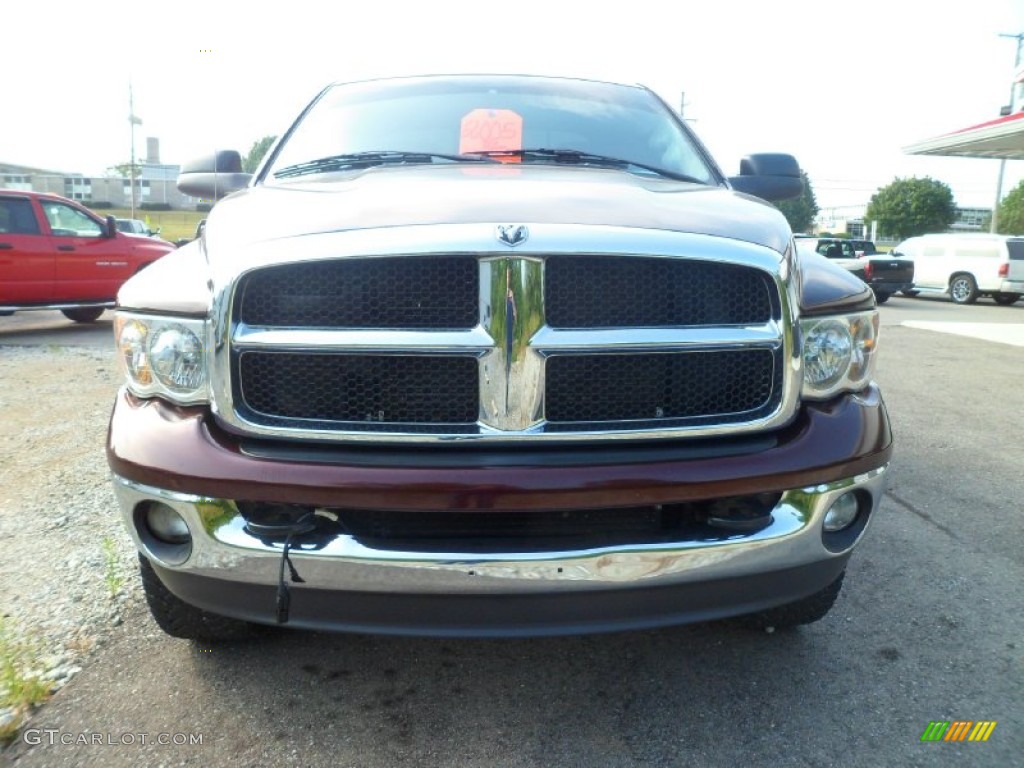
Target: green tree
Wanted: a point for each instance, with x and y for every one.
(800, 211)
(125, 170)
(1011, 212)
(909, 207)
(259, 148)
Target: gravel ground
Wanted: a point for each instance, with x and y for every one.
(66, 564)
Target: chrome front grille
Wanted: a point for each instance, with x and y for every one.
(358, 391)
(598, 292)
(719, 386)
(428, 293)
(546, 346)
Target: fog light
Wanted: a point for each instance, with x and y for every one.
(166, 524)
(842, 513)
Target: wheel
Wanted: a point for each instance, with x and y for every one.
(881, 298)
(83, 314)
(1005, 299)
(963, 289)
(179, 619)
(805, 611)
(910, 294)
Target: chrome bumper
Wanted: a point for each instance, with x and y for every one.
(223, 551)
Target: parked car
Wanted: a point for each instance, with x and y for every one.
(135, 227)
(966, 266)
(494, 355)
(886, 276)
(55, 254)
(863, 248)
(833, 250)
(138, 227)
(186, 240)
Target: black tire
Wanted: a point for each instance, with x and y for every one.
(910, 294)
(1005, 299)
(881, 298)
(83, 314)
(179, 619)
(805, 611)
(963, 289)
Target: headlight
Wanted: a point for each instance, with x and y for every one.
(163, 356)
(838, 353)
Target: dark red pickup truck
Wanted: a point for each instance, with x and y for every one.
(55, 254)
(494, 355)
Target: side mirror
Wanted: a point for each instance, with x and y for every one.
(214, 176)
(111, 228)
(770, 176)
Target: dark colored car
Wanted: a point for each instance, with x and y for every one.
(885, 275)
(863, 248)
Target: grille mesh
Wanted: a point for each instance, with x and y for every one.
(605, 292)
(594, 388)
(414, 293)
(360, 388)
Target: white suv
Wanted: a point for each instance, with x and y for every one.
(966, 266)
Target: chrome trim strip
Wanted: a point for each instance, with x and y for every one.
(222, 549)
(253, 338)
(511, 357)
(550, 340)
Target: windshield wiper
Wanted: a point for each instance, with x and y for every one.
(577, 157)
(368, 159)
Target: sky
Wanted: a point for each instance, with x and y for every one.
(841, 85)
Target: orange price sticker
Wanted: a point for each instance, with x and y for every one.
(492, 130)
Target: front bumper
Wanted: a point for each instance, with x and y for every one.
(179, 457)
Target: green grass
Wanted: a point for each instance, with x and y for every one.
(111, 567)
(173, 225)
(20, 689)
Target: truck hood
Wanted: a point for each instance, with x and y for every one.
(505, 194)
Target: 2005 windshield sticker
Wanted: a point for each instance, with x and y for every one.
(492, 130)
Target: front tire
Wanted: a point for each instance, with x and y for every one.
(805, 611)
(83, 314)
(179, 619)
(1005, 299)
(963, 289)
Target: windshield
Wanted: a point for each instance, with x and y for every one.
(455, 116)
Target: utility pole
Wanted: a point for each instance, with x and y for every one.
(1019, 37)
(682, 108)
(133, 121)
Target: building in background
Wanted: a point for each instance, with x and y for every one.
(849, 220)
(156, 184)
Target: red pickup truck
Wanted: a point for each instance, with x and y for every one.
(55, 254)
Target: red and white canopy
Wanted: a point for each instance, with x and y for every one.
(999, 138)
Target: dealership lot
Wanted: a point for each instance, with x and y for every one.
(928, 626)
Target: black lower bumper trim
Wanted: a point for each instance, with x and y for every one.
(561, 612)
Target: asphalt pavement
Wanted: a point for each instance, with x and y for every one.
(928, 628)
(42, 327)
